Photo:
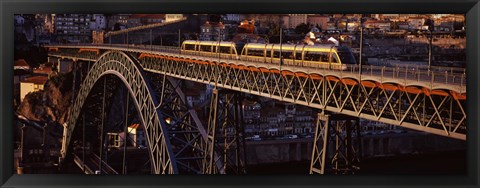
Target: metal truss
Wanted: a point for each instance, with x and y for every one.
(225, 135)
(433, 110)
(185, 131)
(128, 70)
(439, 112)
(336, 130)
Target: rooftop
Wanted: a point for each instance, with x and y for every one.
(21, 63)
(43, 70)
(135, 126)
(35, 79)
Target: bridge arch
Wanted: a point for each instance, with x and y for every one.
(128, 70)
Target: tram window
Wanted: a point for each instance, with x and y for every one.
(224, 49)
(312, 56)
(335, 58)
(205, 48)
(287, 54)
(324, 57)
(276, 54)
(298, 56)
(189, 47)
(345, 55)
(255, 52)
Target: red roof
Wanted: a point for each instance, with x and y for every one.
(136, 126)
(21, 63)
(214, 24)
(35, 79)
(44, 70)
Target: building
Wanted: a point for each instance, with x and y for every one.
(296, 19)
(98, 37)
(251, 110)
(64, 66)
(115, 140)
(212, 30)
(25, 24)
(347, 24)
(277, 120)
(246, 27)
(136, 133)
(32, 84)
(136, 20)
(402, 25)
(136, 137)
(43, 28)
(236, 18)
(98, 22)
(73, 28)
(21, 70)
(416, 23)
(43, 70)
(378, 25)
(331, 25)
(118, 21)
(173, 17)
(319, 21)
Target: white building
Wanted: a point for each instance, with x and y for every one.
(31, 84)
(232, 17)
(136, 134)
(173, 17)
(296, 19)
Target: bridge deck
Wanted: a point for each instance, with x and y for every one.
(439, 78)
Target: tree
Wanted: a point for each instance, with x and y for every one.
(116, 27)
(319, 28)
(430, 24)
(302, 29)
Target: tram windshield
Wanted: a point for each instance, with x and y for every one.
(345, 55)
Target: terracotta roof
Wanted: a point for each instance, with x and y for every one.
(35, 79)
(136, 126)
(44, 70)
(21, 63)
(214, 24)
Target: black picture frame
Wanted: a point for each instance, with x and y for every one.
(9, 7)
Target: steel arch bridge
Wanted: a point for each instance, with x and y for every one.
(404, 99)
(164, 158)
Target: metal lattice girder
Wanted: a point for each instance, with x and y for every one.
(436, 111)
(128, 70)
(382, 96)
(186, 132)
(225, 134)
(336, 131)
(320, 145)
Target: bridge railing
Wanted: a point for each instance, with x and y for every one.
(402, 73)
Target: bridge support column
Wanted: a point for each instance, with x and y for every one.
(334, 150)
(225, 135)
